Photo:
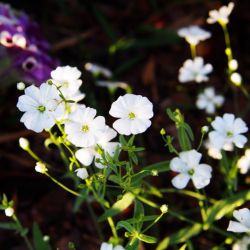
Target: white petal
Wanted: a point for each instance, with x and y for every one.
(191, 157)
(178, 165)
(243, 216)
(237, 227)
(85, 156)
(180, 181)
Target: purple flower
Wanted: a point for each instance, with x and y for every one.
(24, 51)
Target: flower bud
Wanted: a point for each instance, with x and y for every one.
(41, 168)
(236, 79)
(164, 208)
(233, 65)
(9, 211)
(24, 143)
(204, 129)
(20, 86)
(163, 131)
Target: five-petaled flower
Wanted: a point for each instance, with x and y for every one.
(42, 107)
(67, 80)
(83, 128)
(195, 70)
(194, 34)
(209, 101)
(228, 130)
(221, 16)
(134, 113)
(188, 166)
(242, 225)
(103, 145)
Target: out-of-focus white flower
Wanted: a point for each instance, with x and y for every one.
(67, 79)
(97, 69)
(243, 224)
(214, 152)
(195, 70)
(244, 162)
(242, 244)
(221, 15)
(134, 113)
(87, 155)
(188, 167)
(209, 101)
(83, 128)
(107, 246)
(236, 79)
(113, 85)
(20, 86)
(9, 211)
(82, 173)
(42, 107)
(233, 64)
(41, 168)
(194, 34)
(228, 130)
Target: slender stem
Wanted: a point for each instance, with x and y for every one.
(193, 50)
(229, 52)
(112, 226)
(152, 224)
(202, 208)
(21, 231)
(94, 219)
(61, 185)
(33, 155)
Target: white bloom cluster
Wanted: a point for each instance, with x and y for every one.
(209, 101)
(49, 103)
(242, 244)
(194, 34)
(195, 70)
(188, 167)
(221, 16)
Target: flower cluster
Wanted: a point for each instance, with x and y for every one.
(22, 42)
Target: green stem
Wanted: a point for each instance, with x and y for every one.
(193, 50)
(229, 52)
(22, 232)
(202, 208)
(61, 185)
(33, 155)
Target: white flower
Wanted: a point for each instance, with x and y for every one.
(83, 127)
(9, 211)
(134, 112)
(194, 70)
(188, 167)
(97, 69)
(42, 107)
(242, 244)
(212, 151)
(221, 15)
(194, 34)
(107, 246)
(244, 162)
(209, 101)
(24, 143)
(242, 225)
(67, 79)
(82, 173)
(228, 130)
(87, 155)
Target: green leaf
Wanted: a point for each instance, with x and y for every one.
(8, 226)
(138, 215)
(39, 243)
(115, 179)
(180, 237)
(134, 244)
(80, 199)
(122, 140)
(118, 206)
(125, 225)
(148, 239)
(225, 206)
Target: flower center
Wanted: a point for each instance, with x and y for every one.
(131, 115)
(85, 128)
(41, 108)
(230, 134)
(191, 172)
